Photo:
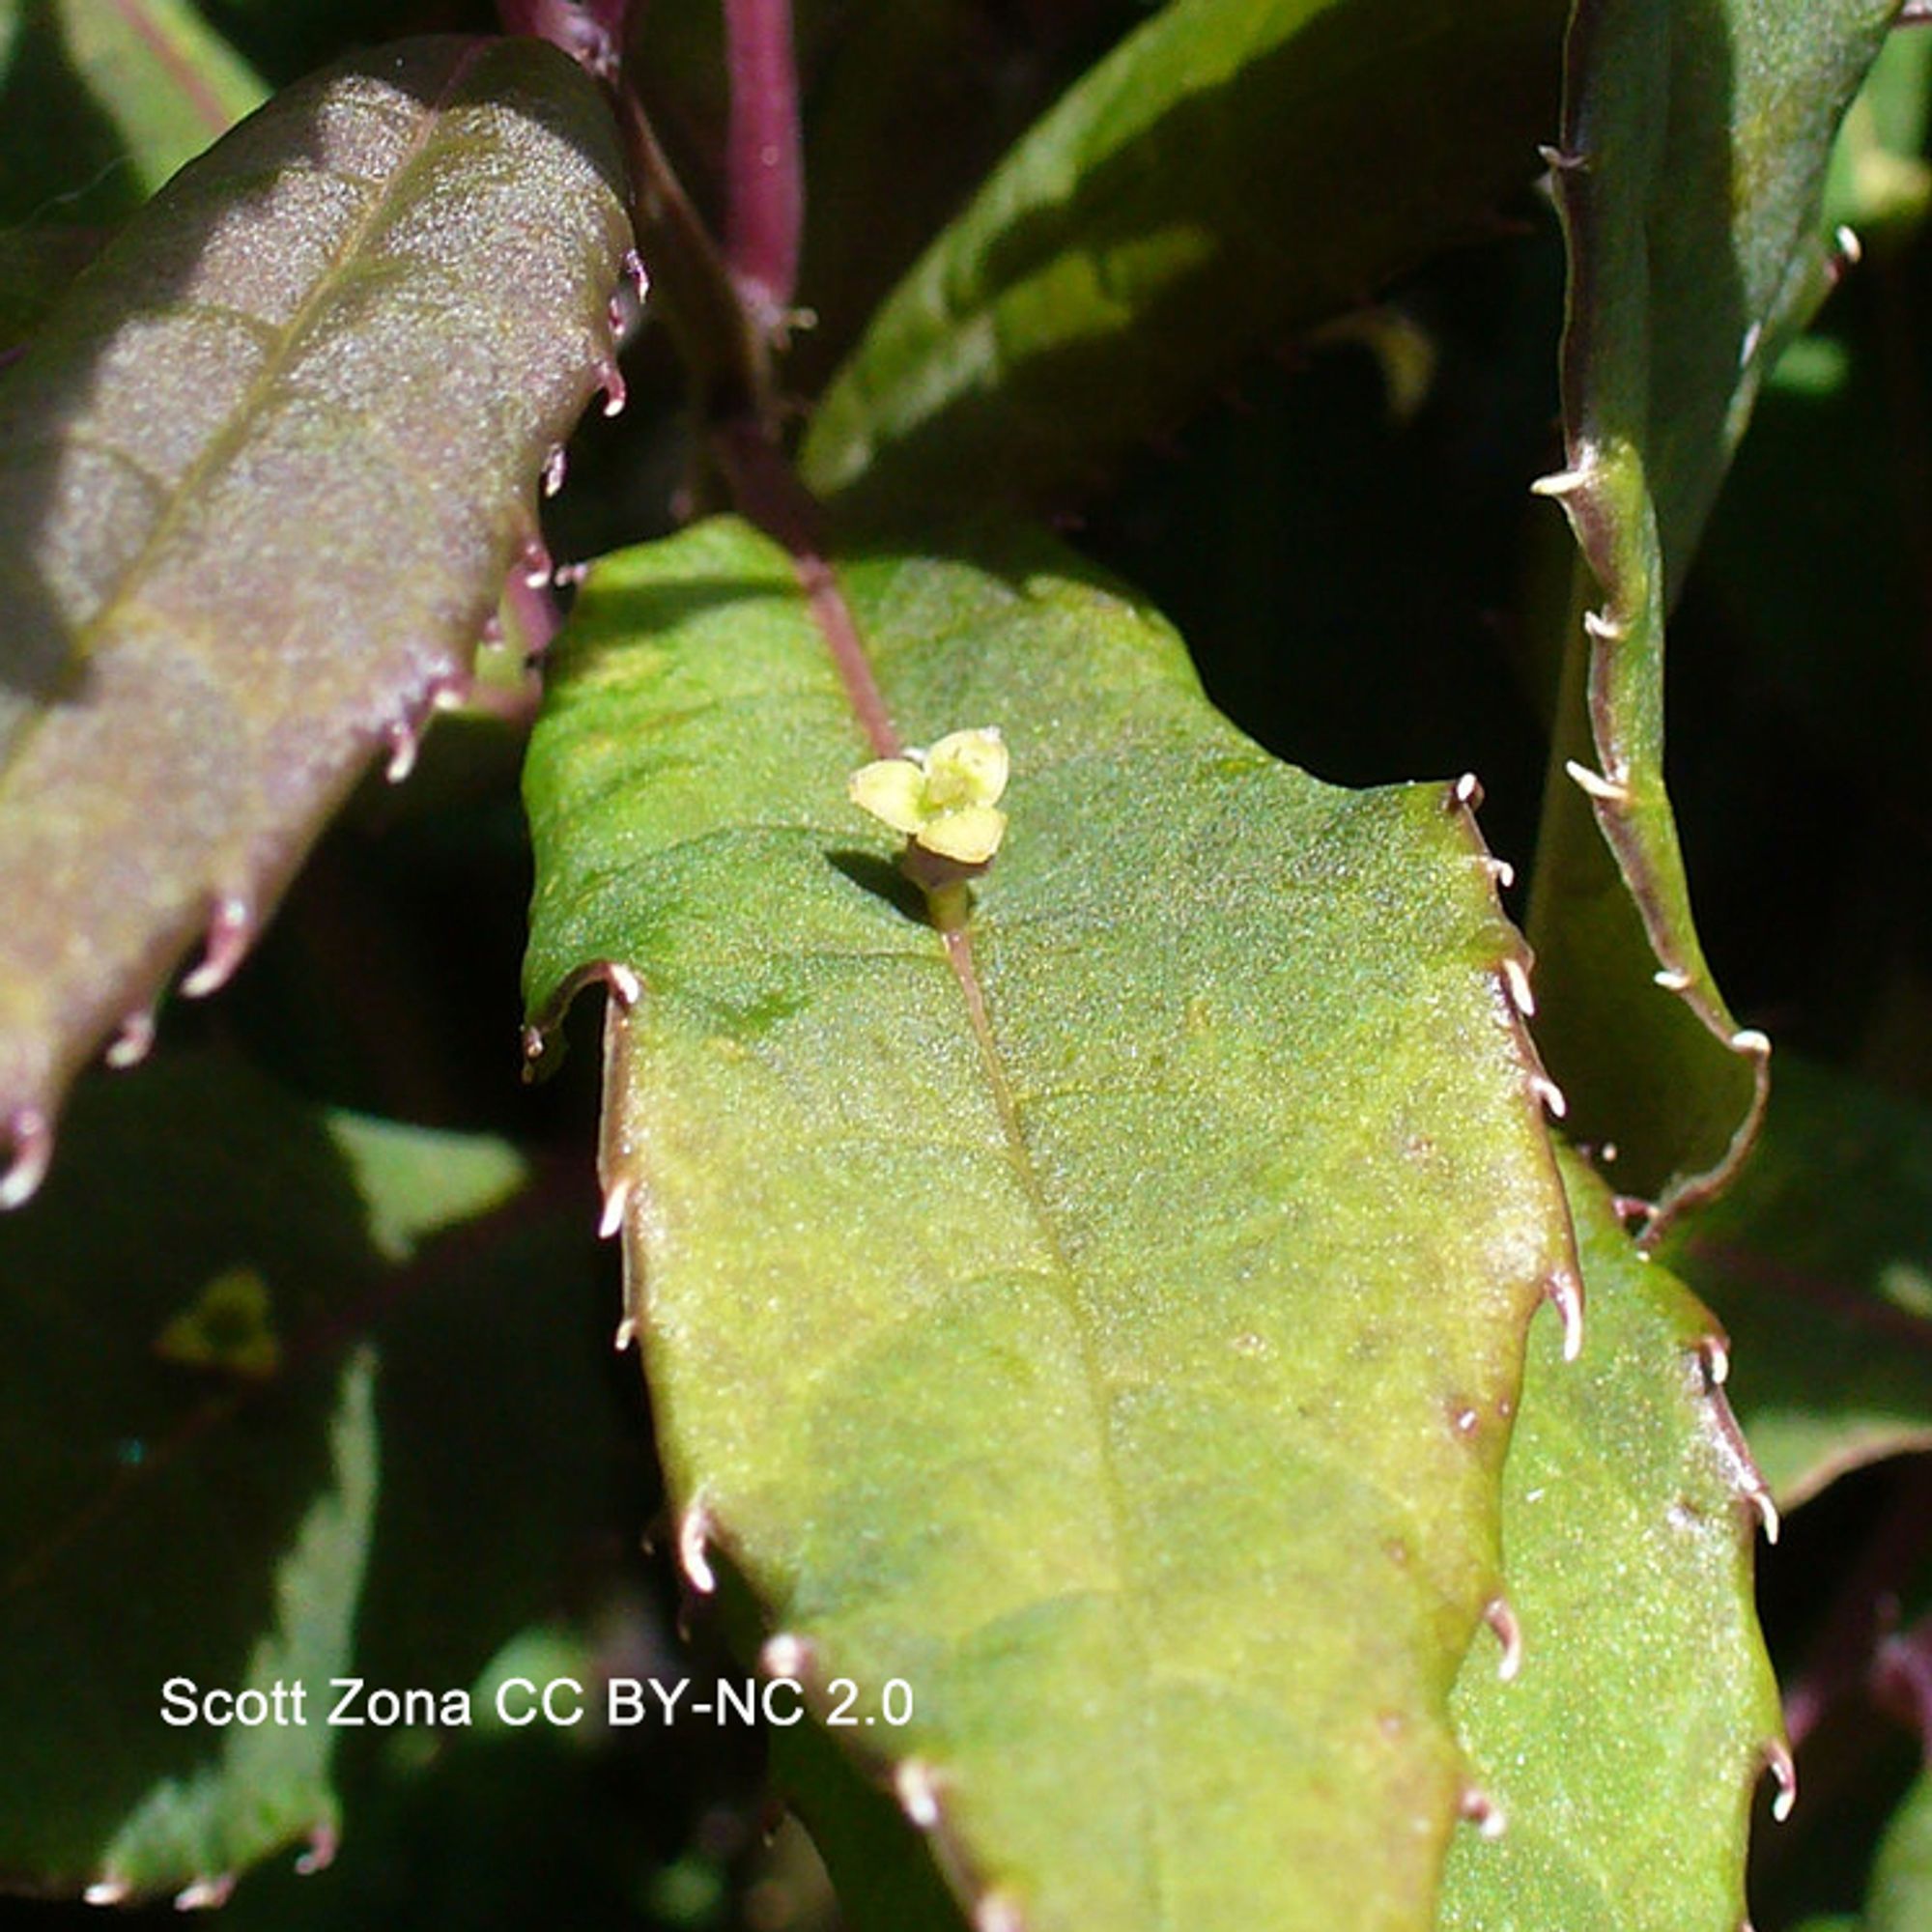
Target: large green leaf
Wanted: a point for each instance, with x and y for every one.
(1175, 212)
(261, 479)
(1106, 1320)
(1689, 182)
(264, 1426)
(101, 100)
(1624, 1753)
(1900, 1898)
(1820, 1262)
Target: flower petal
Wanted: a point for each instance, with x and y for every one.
(971, 835)
(891, 789)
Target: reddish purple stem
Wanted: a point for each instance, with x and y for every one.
(591, 33)
(764, 170)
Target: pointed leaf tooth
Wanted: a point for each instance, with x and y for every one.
(1564, 1292)
(617, 1199)
(916, 1786)
(1480, 1809)
(1502, 1622)
(788, 1656)
(693, 1542)
(131, 1044)
(1783, 1769)
(30, 1139)
(323, 1846)
(402, 761)
(231, 931)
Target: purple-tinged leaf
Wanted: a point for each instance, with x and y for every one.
(261, 479)
(1690, 181)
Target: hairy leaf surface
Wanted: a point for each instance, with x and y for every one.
(261, 479)
(1624, 1755)
(1820, 1262)
(101, 100)
(1108, 1327)
(258, 1406)
(1689, 182)
(1170, 215)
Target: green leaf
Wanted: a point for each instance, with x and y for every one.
(393, 1498)
(262, 477)
(1694, 155)
(1820, 1262)
(1878, 181)
(1624, 1755)
(1900, 1898)
(37, 266)
(1104, 1319)
(99, 104)
(1172, 215)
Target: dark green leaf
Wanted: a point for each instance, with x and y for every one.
(258, 1410)
(1695, 147)
(1624, 1755)
(1123, 1362)
(1820, 1262)
(1173, 213)
(260, 481)
(101, 100)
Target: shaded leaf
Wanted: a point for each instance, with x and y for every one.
(1878, 179)
(37, 266)
(99, 104)
(1010, 1296)
(1819, 1263)
(394, 1501)
(262, 475)
(1625, 1753)
(1695, 147)
(1174, 212)
(1900, 1899)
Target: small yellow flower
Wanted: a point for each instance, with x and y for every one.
(944, 799)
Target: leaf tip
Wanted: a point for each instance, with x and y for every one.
(105, 1892)
(1783, 1770)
